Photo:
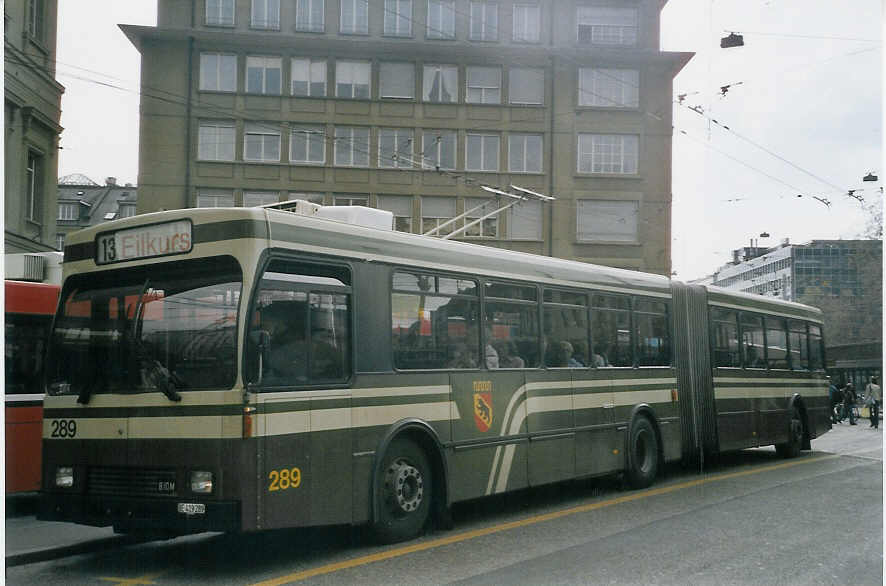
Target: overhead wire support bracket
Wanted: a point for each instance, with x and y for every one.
(525, 195)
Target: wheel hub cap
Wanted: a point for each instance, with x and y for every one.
(405, 486)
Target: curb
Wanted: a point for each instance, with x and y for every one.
(43, 555)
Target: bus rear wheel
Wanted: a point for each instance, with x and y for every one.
(796, 430)
(642, 456)
(403, 492)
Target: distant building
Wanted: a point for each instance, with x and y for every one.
(844, 278)
(82, 202)
(411, 105)
(32, 110)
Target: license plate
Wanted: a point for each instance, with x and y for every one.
(192, 508)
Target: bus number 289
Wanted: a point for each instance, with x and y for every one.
(284, 479)
(64, 428)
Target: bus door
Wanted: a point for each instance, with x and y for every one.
(489, 433)
(550, 425)
(597, 445)
(298, 357)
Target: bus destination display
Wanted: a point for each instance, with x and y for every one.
(144, 242)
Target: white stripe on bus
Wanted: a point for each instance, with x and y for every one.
(817, 320)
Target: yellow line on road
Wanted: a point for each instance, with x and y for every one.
(433, 544)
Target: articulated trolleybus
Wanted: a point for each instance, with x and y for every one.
(256, 368)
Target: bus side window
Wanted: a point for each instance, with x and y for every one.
(776, 343)
(653, 332)
(724, 323)
(611, 330)
(798, 344)
(753, 345)
(816, 356)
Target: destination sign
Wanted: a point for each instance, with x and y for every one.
(144, 242)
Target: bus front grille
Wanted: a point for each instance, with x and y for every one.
(131, 481)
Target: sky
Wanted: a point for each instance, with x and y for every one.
(802, 116)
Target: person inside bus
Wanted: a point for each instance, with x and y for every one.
(286, 356)
(507, 355)
(562, 356)
(461, 357)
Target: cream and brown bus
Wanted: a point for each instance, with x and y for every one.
(255, 368)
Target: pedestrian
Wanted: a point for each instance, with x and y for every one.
(873, 395)
(835, 397)
(849, 403)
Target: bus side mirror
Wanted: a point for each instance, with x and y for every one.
(261, 341)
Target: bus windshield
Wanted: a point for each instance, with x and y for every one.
(163, 327)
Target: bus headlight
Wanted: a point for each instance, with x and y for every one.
(64, 476)
(201, 481)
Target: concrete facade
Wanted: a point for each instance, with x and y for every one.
(32, 110)
(578, 111)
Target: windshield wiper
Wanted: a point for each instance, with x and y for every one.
(166, 382)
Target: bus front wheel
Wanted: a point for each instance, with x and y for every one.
(403, 492)
(642, 456)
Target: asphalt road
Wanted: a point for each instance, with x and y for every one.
(756, 519)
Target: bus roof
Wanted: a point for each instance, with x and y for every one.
(285, 229)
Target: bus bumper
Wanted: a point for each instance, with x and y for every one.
(131, 514)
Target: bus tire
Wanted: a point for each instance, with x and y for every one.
(796, 432)
(642, 453)
(403, 492)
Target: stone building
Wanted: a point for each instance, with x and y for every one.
(32, 109)
(411, 106)
(82, 203)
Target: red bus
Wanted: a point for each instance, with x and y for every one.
(29, 310)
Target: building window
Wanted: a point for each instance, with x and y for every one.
(220, 12)
(395, 148)
(401, 207)
(34, 185)
(215, 199)
(526, 86)
(311, 196)
(397, 80)
(484, 21)
(486, 228)
(352, 79)
(607, 25)
(36, 20)
(441, 19)
(59, 241)
(524, 221)
(484, 85)
(125, 209)
(398, 18)
(524, 153)
(310, 16)
(436, 211)
(351, 146)
(266, 14)
(215, 141)
(253, 199)
(527, 19)
(309, 77)
(68, 211)
(307, 145)
(607, 221)
(350, 199)
(263, 75)
(609, 88)
(608, 153)
(440, 83)
(218, 72)
(438, 148)
(261, 142)
(354, 17)
(482, 152)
